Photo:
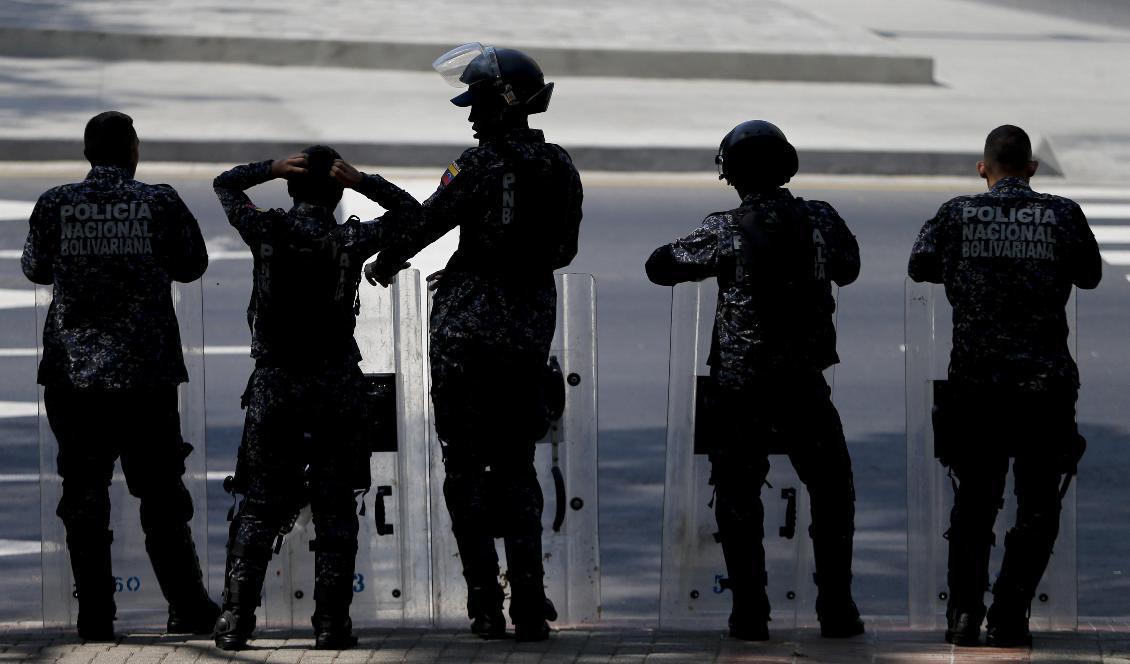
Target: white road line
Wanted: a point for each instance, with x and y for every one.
(1115, 256)
(19, 477)
(18, 409)
(18, 547)
(15, 210)
(13, 478)
(1112, 234)
(17, 298)
(208, 350)
(1106, 210)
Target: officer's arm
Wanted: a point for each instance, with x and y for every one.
(186, 257)
(692, 258)
(241, 212)
(566, 251)
(403, 209)
(926, 255)
(843, 261)
(42, 243)
(408, 234)
(1086, 263)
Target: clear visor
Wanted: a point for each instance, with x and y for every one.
(450, 65)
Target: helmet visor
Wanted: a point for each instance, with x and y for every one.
(450, 65)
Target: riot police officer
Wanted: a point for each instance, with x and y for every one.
(775, 257)
(1008, 259)
(517, 202)
(111, 246)
(303, 434)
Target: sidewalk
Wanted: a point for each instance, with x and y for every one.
(1062, 80)
(1100, 644)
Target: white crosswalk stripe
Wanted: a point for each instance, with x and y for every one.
(1108, 213)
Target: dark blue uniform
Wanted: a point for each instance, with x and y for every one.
(112, 246)
(302, 439)
(517, 202)
(775, 258)
(1008, 258)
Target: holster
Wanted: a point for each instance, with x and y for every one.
(942, 419)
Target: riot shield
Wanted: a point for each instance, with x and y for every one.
(138, 597)
(391, 583)
(930, 495)
(692, 593)
(566, 466)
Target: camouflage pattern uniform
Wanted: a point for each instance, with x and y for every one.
(517, 203)
(112, 246)
(305, 400)
(1008, 259)
(773, 336)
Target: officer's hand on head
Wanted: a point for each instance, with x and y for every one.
(345, 174)
(433, 279)
(292, 165)
(374, 277)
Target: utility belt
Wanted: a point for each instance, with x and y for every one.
(958, 417)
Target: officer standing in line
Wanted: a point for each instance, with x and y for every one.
(517, 202)
(1008, 259)
(774, 257)
(302, 315)
(112, 246)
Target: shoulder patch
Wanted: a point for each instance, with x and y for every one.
(449, 174)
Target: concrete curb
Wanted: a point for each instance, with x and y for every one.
(753, 66)
(621, 159)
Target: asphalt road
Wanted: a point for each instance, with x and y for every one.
(625, 219)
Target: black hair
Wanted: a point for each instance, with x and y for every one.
(317, 186)
(1009, 148)
(109, 140)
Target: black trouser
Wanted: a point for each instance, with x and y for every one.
(142, 428)
(793, 413)
(991, 427)
(301, 444)
(489, 412)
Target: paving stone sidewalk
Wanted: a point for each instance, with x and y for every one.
(1096, 642)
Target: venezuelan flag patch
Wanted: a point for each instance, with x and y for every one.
(449, 174)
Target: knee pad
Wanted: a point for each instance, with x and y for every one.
(84, 505)
(166, 506)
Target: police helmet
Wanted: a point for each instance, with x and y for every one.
(756, 149)
(499, 75)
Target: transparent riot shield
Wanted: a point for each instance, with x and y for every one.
(391, 580)
(930, 495)
(138, 597)
(692, 595)
(566, 466)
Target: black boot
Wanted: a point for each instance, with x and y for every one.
(94, 583)
(749, 617)
(332, 631)
(835, 608)
(1007, 619)
(530, 609)
(745, 565)
(832, 553)
(334, 562)
(177, 567)
(241, 595)
(333, 628)
(484, 608)
(963, 625)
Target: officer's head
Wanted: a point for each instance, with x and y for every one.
(1008, 153)
(110, 140)
(504, 86)
(316, 186)
(756, 156)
